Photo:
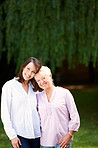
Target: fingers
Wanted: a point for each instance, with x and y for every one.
(16, 145)
(64, 146)
(19, 141)
(16, 142)
(64, 143)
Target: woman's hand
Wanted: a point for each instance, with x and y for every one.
(16, 142)
(64, 143)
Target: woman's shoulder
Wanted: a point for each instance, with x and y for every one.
(64, 92)
(62, 89)
(9, 83)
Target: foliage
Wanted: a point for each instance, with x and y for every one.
(52, 31)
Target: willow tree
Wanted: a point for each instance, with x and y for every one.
(50, 30)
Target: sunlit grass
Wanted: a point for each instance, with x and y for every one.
(87, 104)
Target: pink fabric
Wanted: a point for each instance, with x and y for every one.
(54, 115)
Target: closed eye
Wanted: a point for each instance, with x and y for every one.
(43, 78)
(38, 81)
(28, 68)
(34, 72)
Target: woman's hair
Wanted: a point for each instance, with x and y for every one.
(37, 65)
(44, 70)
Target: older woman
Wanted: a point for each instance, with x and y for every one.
(55, 105)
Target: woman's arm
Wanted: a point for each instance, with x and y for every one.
(6, 111)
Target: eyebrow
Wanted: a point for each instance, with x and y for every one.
(32, 70)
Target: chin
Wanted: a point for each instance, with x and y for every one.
(26, 79)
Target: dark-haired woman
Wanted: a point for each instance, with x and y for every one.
(19, 107)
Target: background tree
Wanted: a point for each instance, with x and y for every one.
(52, 31)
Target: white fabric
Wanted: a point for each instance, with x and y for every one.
(18, 111)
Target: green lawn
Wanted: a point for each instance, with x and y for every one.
(4, 141)
(87, 137)
(87, 104)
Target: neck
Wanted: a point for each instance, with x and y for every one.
(49, 92)
(25, 83)
(50, 89)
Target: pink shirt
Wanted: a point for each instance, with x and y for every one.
(54, 115)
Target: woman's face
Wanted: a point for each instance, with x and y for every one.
(29, 71)
(44, 81)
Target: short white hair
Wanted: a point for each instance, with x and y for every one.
(45, 70)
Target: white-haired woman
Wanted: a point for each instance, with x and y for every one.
(55, 105)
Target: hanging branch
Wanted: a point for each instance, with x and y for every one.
(52, 31)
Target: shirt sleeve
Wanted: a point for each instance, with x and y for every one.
(6, 111)
(74, 122)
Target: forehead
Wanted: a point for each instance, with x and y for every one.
(31, 65)
(40, 75)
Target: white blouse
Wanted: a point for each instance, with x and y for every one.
(19, 111)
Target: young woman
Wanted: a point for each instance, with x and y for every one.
(19, 107)
(55, 105)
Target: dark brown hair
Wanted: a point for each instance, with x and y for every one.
(37, 65)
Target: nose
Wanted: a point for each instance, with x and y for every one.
(41, 82)
(29, 73)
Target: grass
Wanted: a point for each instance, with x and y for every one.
(87, 136)
(4, 141)
(87, 104)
